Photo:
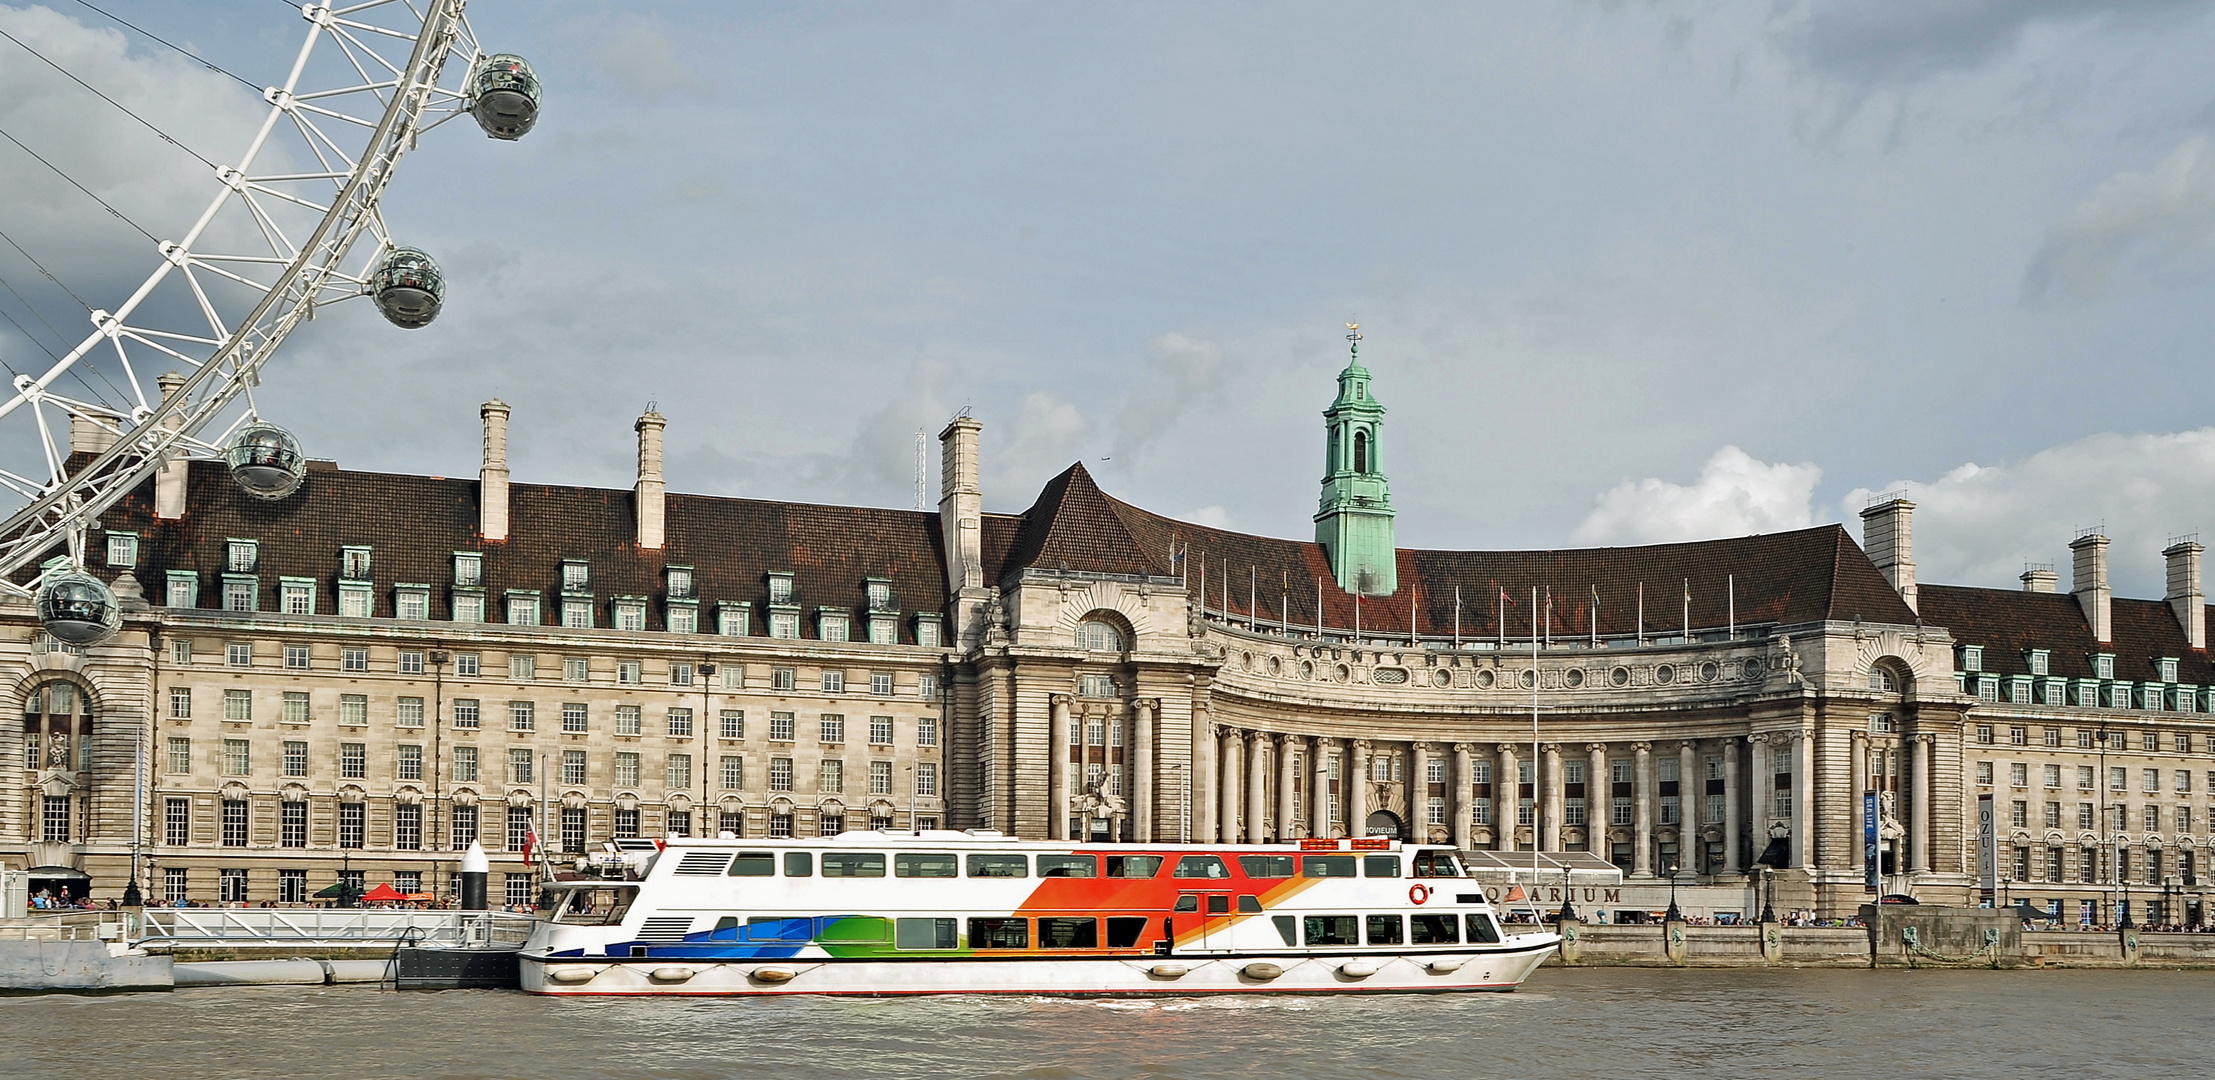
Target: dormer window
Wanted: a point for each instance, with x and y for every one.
(2103, 666)
(411, 602)
(630, 614)
(926, 631)
(1972, 658)
(469, 568)
(734, 618)
(122, 550)
(522, 608)
(2039, 662)
(576, 576)
(241, 556)
(780, 588)
(830, 624)
(2168, 667)
(353, 564)
(680, 583)
(880, 594)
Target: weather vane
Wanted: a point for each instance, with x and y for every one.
(1353, 334)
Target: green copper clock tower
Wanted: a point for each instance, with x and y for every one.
(1353, 520)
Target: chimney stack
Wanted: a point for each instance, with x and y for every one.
(492, 479)
(87, 436)
(2091, 584)
(169, 480)
(961, 527)
(1888, 536)
(2039, 577)
(2185, 595)
(650, 496)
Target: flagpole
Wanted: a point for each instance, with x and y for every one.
(1318, 609)
(1457, 618)
(1688, 611)
(1641, 625)
(1731, 582)
(1253, 598)
(1592, 617)
(1538, 777)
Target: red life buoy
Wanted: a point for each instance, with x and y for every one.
(1418, 893)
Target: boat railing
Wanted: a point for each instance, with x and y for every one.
(87, 925)
(333, 926)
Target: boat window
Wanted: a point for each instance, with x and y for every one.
(1133, 866)
(1219, 904)
(924, 864)
(725, 928)
(853, 864)
(1326, 866)
(999, 866)
(595, 907)
(1249, 905)
(1068, 866)
(1286, 929)
(1384, 930)
(1201, 866)
(1380, 866)
(780, 928)
(800, 863)
(1331, 930)
(1266, 866)
(1188, 902)
(999, 933)
(924, 934)
(1068, 933)
(854, 928)
(754, 864)
(1433, 930)
(1481, 930)
(1436, 864)
(1125, 930)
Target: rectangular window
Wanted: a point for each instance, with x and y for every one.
(784, 624)
(626, 768)
(519, 765)
(573, 768)
(466, 713)
(680, 674)
(522, 609)
(180, 702)
(926, 778)
(630, 615)
(734, 772)
(407, 833)
(469, 607)
(408, 712)
(411, 603)
(629, 720)
(465, 764)
(296, 657)
(353, 709)
(353, 659)
(234, 822)
(183, 590)
(880, 778)
(683, 619)
(731, 724)
(2018, 774)
(926, 731)
(519, 833)
(630, 672)
(292, 824)
(238, 654)
(353, 760)
(626, 824)
(295, 707)
(2085, 780)
(411, 761)
(522, 668)
(833, 780)
(733, 619)
(781, 727)
(576, 669)
(680, 771)
(296, 757)
(573, 830)
(241, 593)
(464, 826)
(734, 676)
(780, 774)
(574, 717)
(354, 601)
(351, 816)
(926, 633)
(237, 757)
(880, 731)
(176, 823)
(834, 728)
(926, 687)
(180, 755)
(834, 682)
(830, 626)
(2053, 776)
(680, 723)
(522, 716)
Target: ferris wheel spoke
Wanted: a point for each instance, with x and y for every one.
(286, 196)
(130, 375)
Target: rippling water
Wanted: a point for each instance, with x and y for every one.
(1586, 1023)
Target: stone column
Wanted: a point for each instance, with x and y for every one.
(1734, 837)
(1642, 810)
(1919, 820)
(1257, 787)
(1458, 800)
(1319, 786)
(1418, 790)
(1857, 746)
(1691, 790)
(1803, 801)
(1598, 791)
(1505, 796)
(1550, 814)
(1057, 769)
(1760, 798)
(1226, 824)
(1357, 789)
(1288, 820)
(1201, 776)
(1142, 769)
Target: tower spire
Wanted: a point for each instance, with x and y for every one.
(1353, 520)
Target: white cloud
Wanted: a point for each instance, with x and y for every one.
(641, 62)
(1734, 495)
(1214, 517)
(1978, 525)
(2168, 211)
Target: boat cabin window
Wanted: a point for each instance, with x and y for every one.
(1068, 866)
(1436, 864)
(1433, 930)
(802, 864)
(999, 866)
(594, 907)
(754, 864)
(1287, 928)
(1481, 930)
(999, 933)
(855, 929)
(780, 928)
(853, 864)
(1133, 866)
(1380, 866)
(1068, 933)
(925, 864)
(1266, 866)
(1201, 866)
(1125, 930)
(1188, 902)
(925, 933)
(1331, 930)
(1384, 930)
(1326, 866)
(1249, 905)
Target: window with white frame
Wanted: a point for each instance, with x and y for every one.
(926, 731)
(353, 709)
(469, 607)
(522, 667)
(353, 659)
(782, 727)
(629, 720)
(522, 716)
(680, 674)
(784, 624)
(576, 576)
(683, 619)
(926, 631)
(411, 602)
(731, 724)
(733, 619)
(630, 615)
(353, 564)
(880, 684)
(926, 778)
(2039, 664)
(241, 556)
(680, 771)
(834, 728)
(880, 731)
(241, 593)
(468, 665)
(680, 722)
(780, 588)
(408, 712)
(353, 601)
(180, 703)
(833, 777)
(469, 569)
(575, 718)
(884, 630)
(183, 589)
(926, 686)
(122, 550)
(626, 768)
(834, 682)
(630, 672)
(467, 714)
(296, 596)
(576, 614)
(880, 778)
(830, 625)
(411, 662)
(733, 676)
(780, 774)
(522, 608)
(576, 669)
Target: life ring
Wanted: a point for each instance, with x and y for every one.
(1418, 893)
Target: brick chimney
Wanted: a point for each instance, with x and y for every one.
(2185, 595)
(87, 436)
(961, 526)
(2039, 577)
(650, 496)
(492, 478)
(2091, 584)
(1888, 535)
(169, 480)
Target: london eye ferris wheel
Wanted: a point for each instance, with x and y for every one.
(292, 223)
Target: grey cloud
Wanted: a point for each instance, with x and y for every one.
(1188, 373)
(2166, 211)
(1902, 41)
(642, 63)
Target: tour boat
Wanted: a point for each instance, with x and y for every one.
(941, 912)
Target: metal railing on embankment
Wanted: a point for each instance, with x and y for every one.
(171, 928)
(87, 925)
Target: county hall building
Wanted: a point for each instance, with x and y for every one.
(362, 677)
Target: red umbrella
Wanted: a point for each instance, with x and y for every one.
(383, 894)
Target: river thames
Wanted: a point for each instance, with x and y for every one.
(1580, 1023)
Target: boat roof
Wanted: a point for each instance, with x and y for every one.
(939, 838)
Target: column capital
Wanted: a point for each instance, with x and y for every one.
(1465, 748)
(1642, 747)
(1595, 748)
(1061, 701)
(1688, 744)
(1550, 748)
(1258, 737)
(1361, 746)
(1508, 748)
(1149, 704)
(1923, 737)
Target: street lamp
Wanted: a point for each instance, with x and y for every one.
(1769, 894)
(346, 877)
(1673, 915)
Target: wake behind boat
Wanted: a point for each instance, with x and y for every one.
(882, 913)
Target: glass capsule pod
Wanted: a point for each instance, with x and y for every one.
(265, 460)
(408, 288)
(506, 96)
(77, 609)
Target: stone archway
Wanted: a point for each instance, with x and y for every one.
(1383, 823)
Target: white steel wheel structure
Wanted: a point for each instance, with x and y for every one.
(281, 235)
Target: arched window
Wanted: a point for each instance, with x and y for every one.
(57, 728)
(1884, 678)
(1095, 635)
(1361, 452)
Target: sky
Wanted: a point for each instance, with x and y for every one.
(1626, 272)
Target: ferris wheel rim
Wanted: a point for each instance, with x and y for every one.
(61, 510)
